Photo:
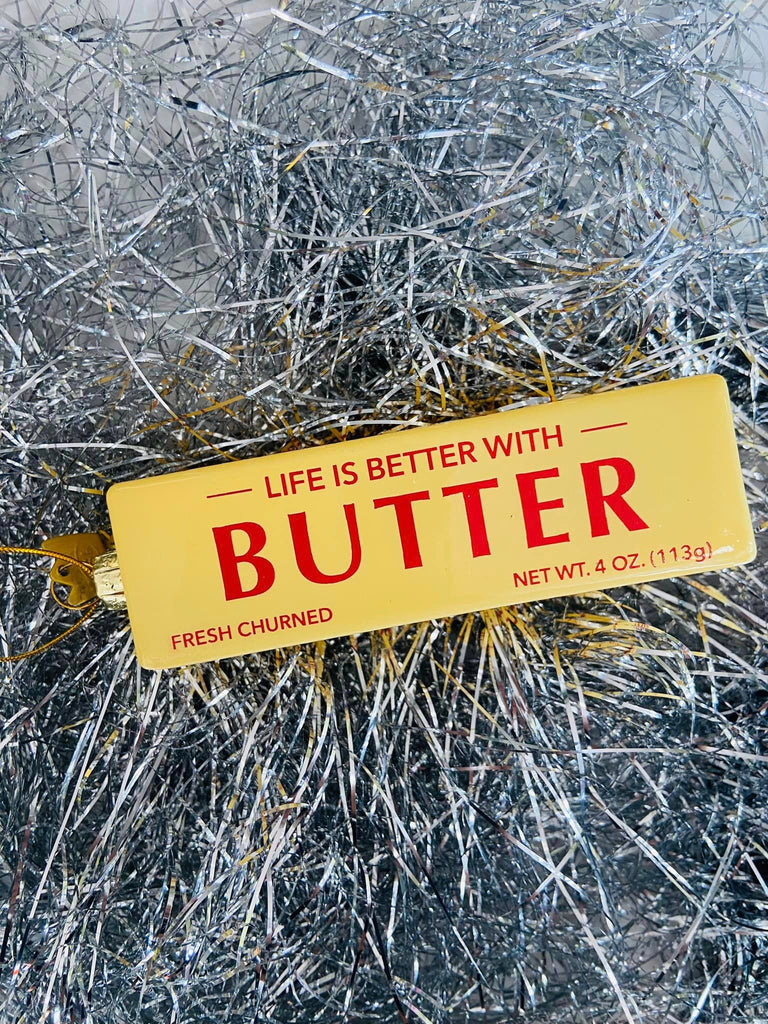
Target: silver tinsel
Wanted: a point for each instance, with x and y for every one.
(218, 242)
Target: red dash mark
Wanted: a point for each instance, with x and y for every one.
(606, 426)
(225, 494)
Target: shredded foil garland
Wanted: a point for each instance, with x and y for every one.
(219, 242)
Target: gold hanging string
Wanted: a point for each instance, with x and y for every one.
(89, 607)
(6, 549)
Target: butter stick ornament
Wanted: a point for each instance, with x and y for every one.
(568, 497)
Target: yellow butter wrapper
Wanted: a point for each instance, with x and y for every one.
(565, 498)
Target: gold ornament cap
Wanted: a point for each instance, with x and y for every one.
(109, 583)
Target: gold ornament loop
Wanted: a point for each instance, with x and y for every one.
(73, 568)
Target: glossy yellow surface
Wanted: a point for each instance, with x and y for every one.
(567, 497)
